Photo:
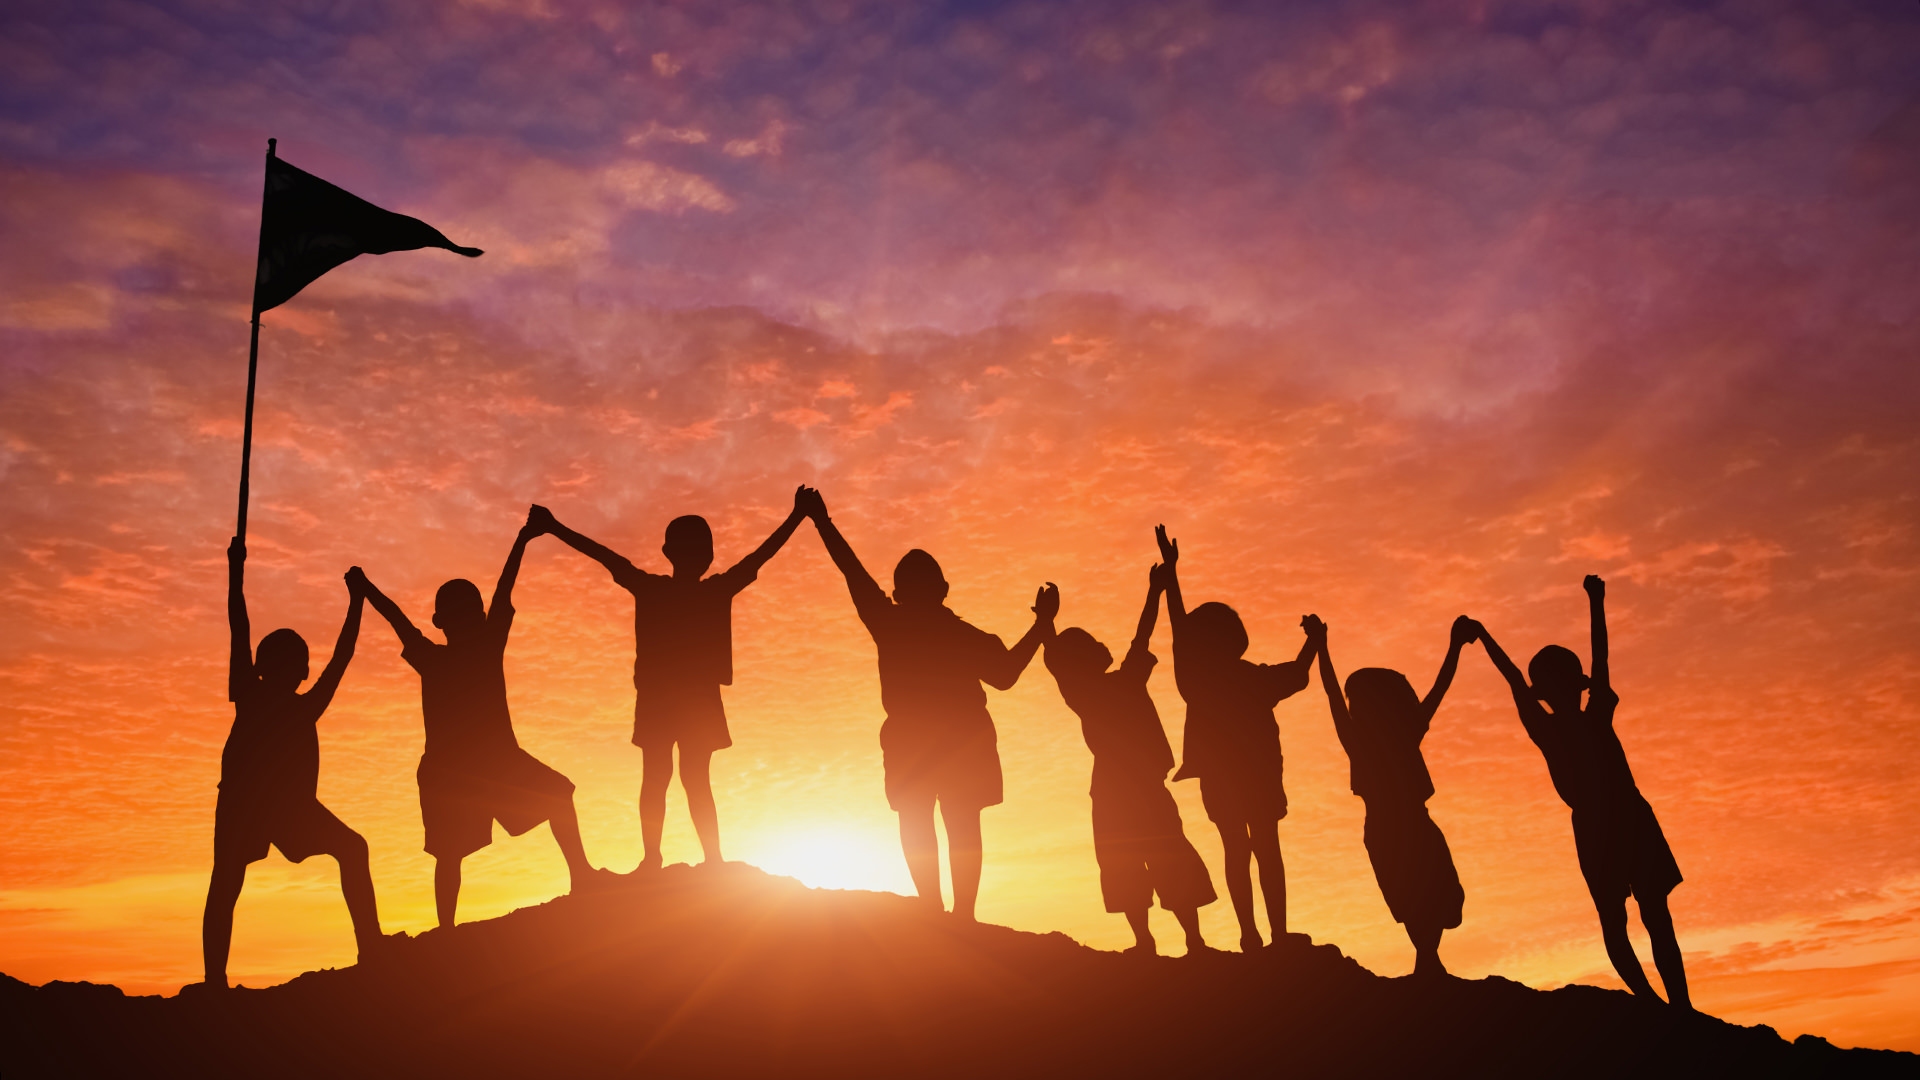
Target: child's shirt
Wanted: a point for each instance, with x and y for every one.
(682, 630)
(1584, 756)
(1121, 725)
(1230, 711)
(1384, 759)
(272, 752)
(463, 691)
(931, 660)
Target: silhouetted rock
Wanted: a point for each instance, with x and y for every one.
(732, 972)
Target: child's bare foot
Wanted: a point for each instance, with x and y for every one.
(381, 949)
(595, 880)
(1250, 942)
(203, 989)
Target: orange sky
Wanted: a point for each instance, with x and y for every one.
(1388, 317)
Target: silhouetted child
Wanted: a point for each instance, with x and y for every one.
(473, 771)
(1232, 743)
(1381, 723)
(683, 655)
(1137, 838)
(270, 771)
(1622, 850)
(938, 742)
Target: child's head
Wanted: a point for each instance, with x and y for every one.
(1217, 631)
(457, 607)
(1075, 654)
(1556, 675)
(1380, 695)
(689, 545)
(281, 659)
(917, 580)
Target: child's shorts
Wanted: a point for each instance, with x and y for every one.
(459, 802)
(693, 718)
(1623, 851)
(1414, 867)
(957, 765)
(244, 828)
(1142, 850)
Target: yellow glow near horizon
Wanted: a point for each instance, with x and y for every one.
(827, 857)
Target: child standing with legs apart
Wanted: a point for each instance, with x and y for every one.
(473, 771)
(683, 655)
(1622, 850)
(1137, 838)
(270, 771)
(1232, 743)
(1381, 724)
(938, 743)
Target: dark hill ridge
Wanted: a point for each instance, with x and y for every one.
(734, 972)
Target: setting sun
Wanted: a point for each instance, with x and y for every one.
(830, 857)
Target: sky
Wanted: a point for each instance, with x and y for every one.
(1390, 312)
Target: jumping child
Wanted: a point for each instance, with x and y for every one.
(473, 771)
(1381, 723)
(1232, 743)
(1137, 837)
(938, 743)
(270, 771)
(1622, 850)
(683, 655)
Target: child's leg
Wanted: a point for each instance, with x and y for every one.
(1426, 949)
(1666, 949)
(1233, 837)
(696, 780)
(1142, 934)
(656, 772)
(1613, 931)
(963, 857)
(216, 924)
(1265, 838)
(566, 829)
(446, 888)
(1190, 922)
(921, 845)
(356, 882)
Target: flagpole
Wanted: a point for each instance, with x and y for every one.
(253, 368)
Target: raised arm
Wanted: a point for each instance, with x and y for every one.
(321, 692)
(240, 655)
(1046, 605)
(860, 584)
(503, 591)
(1522, 693)
(1329, 679)
(750, 566)
(544, 520)
(1463, 632)
(1150, 614)
(403, 627)
(1170, 558)
(1597, 612)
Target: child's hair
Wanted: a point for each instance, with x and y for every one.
(688, 533)
(1556, 667)
(918, 574)
(1217, 629)
(1380, 695)
(1074, 652)
(458, 601)
(282, 652)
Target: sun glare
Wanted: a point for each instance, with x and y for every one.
(831, 858)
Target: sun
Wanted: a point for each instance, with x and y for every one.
(836, 858)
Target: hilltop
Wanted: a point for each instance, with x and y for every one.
(734, 972)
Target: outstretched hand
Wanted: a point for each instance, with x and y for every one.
(1316, 630)
(1595, 587)
(541, 519)
(1046, 602)
(1157, 577)
(1465, 631)
(1169, 549)
(357, 585)
(807, 502)
(1476, 631)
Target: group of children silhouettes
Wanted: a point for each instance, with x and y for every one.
(939, 745)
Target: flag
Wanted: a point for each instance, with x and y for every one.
(308, 227)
